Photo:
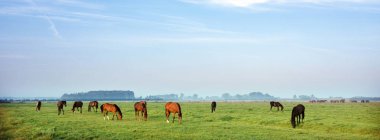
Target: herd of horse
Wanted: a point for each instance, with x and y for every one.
(338, 101)
(298, 112)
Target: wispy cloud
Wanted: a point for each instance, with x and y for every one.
(52, 24)
(257, 5)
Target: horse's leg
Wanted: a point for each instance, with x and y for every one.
(167, 116)
(63, 111)
(271, 107)
(173, 116)
(59, 111)
(113, 115)
(299, 118)
(107, 115)
(104, 115)
(278, 108)
(136, 114)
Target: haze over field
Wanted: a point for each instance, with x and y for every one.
(204, 47)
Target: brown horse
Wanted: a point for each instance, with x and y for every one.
(173, 107)
(276, 104)
(93, 105)
(60, 107)
(297, 112)
(213, 106)
(141, 107)
(38, 106)
(77, 104)
(107, 107)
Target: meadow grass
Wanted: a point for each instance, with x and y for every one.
(232, 120)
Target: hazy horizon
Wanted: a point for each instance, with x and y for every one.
(204, 47)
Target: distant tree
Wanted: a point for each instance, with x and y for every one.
(226, 96)
(294, 96)
(304, 97)
(195, 97)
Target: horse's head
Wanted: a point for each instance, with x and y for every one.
(293, 121)
(64, 103)
(180, 118)
(119, 116)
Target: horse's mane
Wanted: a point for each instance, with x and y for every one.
(118, 110)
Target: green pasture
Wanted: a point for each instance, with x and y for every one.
(232, 120)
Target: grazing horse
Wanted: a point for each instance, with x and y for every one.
(213, 106)
(276, 104)
(38, 106)
(141, 107)
(107, 107)
(93, 105)
(77, 104)
(367, 101)
(173, 107)
(297, 112)
(342, 100)
(60, 107)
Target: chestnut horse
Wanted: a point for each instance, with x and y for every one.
(297, 112)
(77, 104)
(141, 107)
(173, 107)
(60, 107)
(213, 106)
(38, 106)
(93, 105)
(276, 104)
(107, 107)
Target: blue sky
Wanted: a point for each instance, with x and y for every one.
(205, 47)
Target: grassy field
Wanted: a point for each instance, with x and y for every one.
(232, 120)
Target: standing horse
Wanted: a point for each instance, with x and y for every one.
(60, 107)
(297, 112)
(173, 107)
(77, 104)
(213, 106)
(38, 106)
(276, 104)
(93, 105)
(107, 107)
(141, 107)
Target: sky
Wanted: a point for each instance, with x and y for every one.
(205, 47)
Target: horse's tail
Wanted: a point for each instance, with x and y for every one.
(118, 110)
(101, 108)
(303, 113)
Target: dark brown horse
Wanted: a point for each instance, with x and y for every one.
(38, 106)
(107, 107)
(141, 107)
(276, 104)
(77, 105)
(213, 106)
(60, 107)
(93, 105)
(297, 112)
(173, 107)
